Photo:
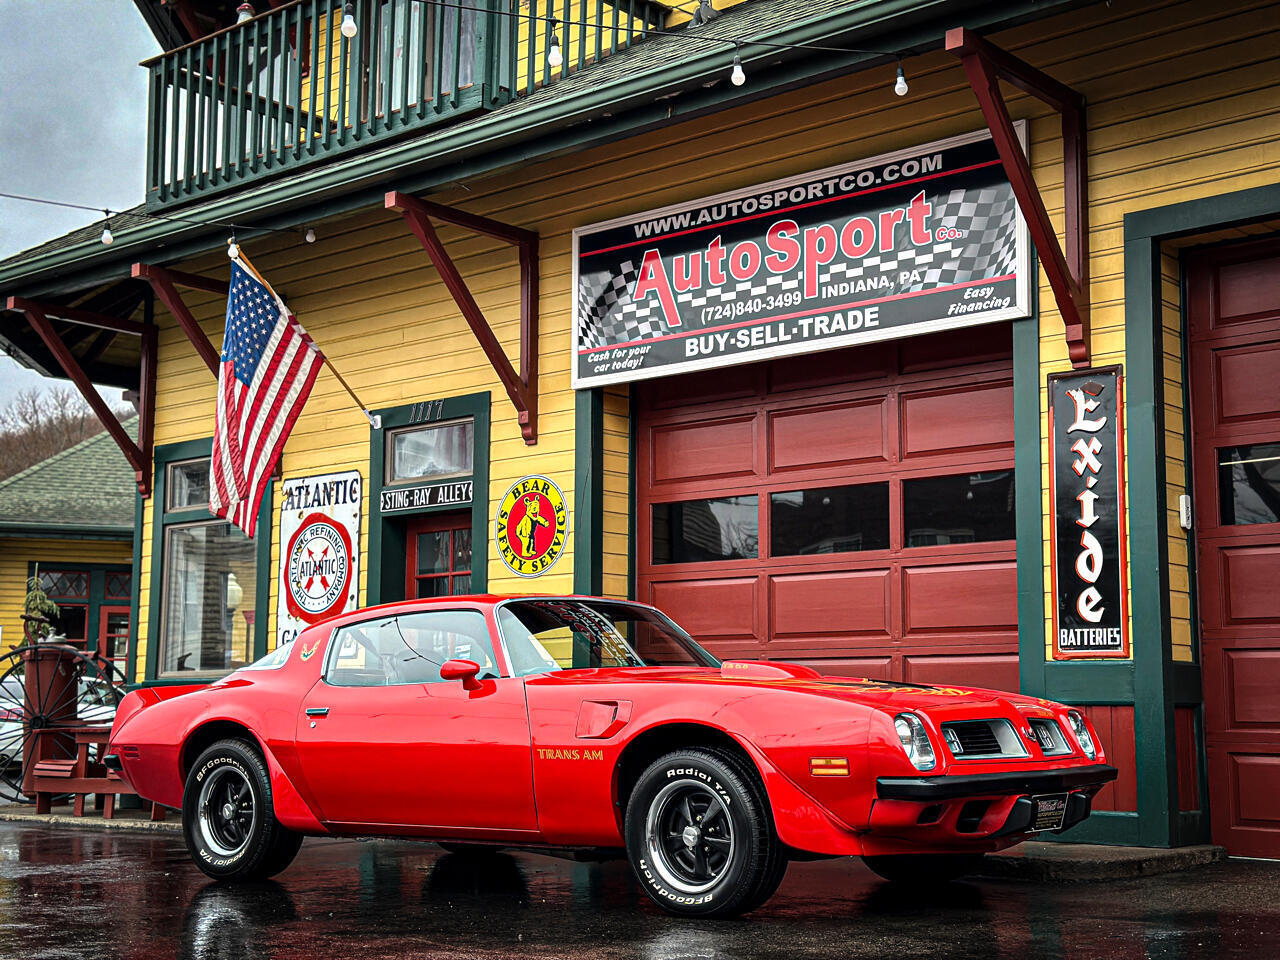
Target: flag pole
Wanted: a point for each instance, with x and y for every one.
(235, 253)
(375, 420)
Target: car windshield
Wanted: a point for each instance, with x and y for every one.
(542, 635)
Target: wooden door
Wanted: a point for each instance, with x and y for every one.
(1234, 327)
(438, 556)
(852, 510)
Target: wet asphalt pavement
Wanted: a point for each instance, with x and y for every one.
(81, 893)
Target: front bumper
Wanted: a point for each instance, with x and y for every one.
(935, 789)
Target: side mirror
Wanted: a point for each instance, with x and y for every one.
(464, 670)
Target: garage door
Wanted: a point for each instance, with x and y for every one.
(852, 510)
(1234, 325)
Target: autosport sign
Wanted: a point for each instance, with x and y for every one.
(319, 550)
(1087, 492)
(902, 244)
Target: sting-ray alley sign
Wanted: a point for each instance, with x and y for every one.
(907, 243)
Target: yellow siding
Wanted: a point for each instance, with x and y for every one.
(575, 40)
(16, 554)
(617, 490)
(367, 294)
(1176, 456)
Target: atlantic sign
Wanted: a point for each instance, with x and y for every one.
(908, 243)
(1086, 476)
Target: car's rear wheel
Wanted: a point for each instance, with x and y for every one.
(700, 836)
(228, 818)
(924, 868)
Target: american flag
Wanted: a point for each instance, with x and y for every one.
(268, 366)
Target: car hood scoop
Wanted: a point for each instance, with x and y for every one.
(762, 670)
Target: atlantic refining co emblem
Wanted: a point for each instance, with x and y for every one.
(903, 244)
(1086, 483)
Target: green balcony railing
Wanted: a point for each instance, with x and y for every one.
(287, 88)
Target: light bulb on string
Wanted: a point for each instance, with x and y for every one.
(107, 238)
(900, 85)
(233, 248)
(349, 27)
(554, 56)
(310, 235)
(738, 76)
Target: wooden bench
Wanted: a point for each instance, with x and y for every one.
(80, 776)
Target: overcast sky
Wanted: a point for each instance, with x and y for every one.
(73, 116)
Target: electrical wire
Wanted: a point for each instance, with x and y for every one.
(110, 214)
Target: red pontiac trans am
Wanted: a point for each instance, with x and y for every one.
(453, 720)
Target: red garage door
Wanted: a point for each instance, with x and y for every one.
(1234, 321)
(852, 510)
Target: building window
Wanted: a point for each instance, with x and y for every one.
(964, 508)
(830, 520)
(439, 557)
(719, 528)
(436, 452)
(69, 589)
(209, 585)
(1249, 483)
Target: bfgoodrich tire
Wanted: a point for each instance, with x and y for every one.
(700, 836)
(924, 868)
(228, 818)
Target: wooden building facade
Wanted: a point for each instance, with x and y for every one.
(879, 508)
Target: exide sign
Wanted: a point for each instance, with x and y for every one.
(930, 239)
(1087, 492)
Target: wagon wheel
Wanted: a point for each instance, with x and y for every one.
(44, 688)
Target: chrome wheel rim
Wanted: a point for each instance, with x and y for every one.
(227, 811)
(689, 836)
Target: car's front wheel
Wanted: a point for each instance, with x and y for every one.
(924, 868)
(700, 836)
(228, 818)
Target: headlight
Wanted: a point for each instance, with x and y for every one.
(915, 741)
(1081, 731)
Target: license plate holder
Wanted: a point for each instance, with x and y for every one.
(1049, 811)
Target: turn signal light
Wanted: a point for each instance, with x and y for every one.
(829, 766)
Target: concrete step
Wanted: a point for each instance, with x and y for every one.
(1040, 860)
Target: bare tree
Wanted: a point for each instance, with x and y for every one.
(36, 424)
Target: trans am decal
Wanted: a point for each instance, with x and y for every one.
(888, 247)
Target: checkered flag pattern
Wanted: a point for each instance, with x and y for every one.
(986, 218)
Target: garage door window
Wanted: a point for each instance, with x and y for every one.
(964, 508)
(719, 528)
(829, 520)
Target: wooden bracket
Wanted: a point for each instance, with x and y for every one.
(138, 454)
(165, 283)
(986, 65)
(522, 388)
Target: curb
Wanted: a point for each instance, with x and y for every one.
(1083, 861)
(91, 823)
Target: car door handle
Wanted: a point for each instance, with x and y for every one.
(317, 711)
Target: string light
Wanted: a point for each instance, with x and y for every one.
(554, 57)
(738, 76)
(233, 248)
(900, 85)
(107, 238)
(349, 27)
(310, 235)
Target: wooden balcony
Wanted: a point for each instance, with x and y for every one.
(287, 88)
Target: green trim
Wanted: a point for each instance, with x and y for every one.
(1207, 213)
(588, 473)
(139, 504)
(633, 437)
(35, 530)
(1119, 827)
(529, 130)
(386, 534)
(1028, 520)
(1089, 682)
(189, 450)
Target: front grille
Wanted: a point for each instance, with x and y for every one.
(1049, 736)
(978, 739)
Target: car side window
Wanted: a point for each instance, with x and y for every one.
(409, 648)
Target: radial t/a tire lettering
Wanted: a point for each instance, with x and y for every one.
(227, 815)
(700, 836)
